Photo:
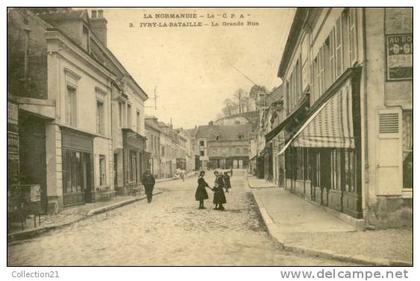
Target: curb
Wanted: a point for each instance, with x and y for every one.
(26, 234)
(273, 232)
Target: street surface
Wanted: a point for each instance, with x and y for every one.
(169, 231)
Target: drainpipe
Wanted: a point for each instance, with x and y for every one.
(365, 200)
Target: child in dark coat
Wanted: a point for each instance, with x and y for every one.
(201, 192)
(219, 195)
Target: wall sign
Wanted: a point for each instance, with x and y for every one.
(399, 52)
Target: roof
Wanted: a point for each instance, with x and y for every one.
(224, 133)
(293, 37)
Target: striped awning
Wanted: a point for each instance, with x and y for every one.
(333, 125)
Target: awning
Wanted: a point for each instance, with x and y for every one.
(270, 135)
(331, 125)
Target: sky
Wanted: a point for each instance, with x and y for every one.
(192, 69)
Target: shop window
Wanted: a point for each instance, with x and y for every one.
(349, 170)
(299, 163)
(72, 171)
(407, 149)
(102, 170)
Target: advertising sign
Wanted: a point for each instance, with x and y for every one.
(399, 49)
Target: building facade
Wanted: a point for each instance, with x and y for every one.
(224, 147)
(347, 76)
(62, 91)
(153, 132)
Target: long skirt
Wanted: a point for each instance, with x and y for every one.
(219, 197)
(201, 193)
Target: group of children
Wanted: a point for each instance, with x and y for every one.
(221, 184)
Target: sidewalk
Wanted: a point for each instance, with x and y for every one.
(306, 228)
(69, 216)
(256, 183)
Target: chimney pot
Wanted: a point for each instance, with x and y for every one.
(94, 14)
(100, 14)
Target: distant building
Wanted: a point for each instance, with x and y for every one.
(153, 135)
(223, 147)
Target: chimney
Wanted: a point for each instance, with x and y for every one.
(98, 24)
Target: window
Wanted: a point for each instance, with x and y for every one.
(316, 78)
(133, 166)
(85, 42)
(353, 35)
(339, 47)
(121, 114)
(240, 137)
(331, 55)
(100, 119)
(138, 121)
(407, 149)
(237, 150)
(71, 106)
(201, 143)
(245, 150)
(128, 115)
(102, 170)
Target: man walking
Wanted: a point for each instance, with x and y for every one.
(149, 183)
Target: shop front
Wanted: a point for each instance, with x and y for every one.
(77, 167)
(323, 157)
(134, 160)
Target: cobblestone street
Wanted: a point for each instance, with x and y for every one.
(170, 231)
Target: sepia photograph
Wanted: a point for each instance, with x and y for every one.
(209, 136)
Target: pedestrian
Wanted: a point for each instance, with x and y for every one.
(149, 183)
(219, 197)
(226, 179)
(182, 175)
(201, 192)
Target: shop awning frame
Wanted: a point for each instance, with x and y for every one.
(273, 133)
(323, 101)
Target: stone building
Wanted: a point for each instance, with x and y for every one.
(153, 135)
(347, 76)
(223, 147)
(63, 80)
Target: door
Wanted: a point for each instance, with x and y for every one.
(240, 164)
(87, 176)
(32, 153)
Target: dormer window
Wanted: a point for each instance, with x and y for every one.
(85, 39)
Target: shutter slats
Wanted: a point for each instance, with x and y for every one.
(388, 123)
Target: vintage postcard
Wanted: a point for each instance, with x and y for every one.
(210, 136)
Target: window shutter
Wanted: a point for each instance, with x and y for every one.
(389, 152)
(389, 123)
